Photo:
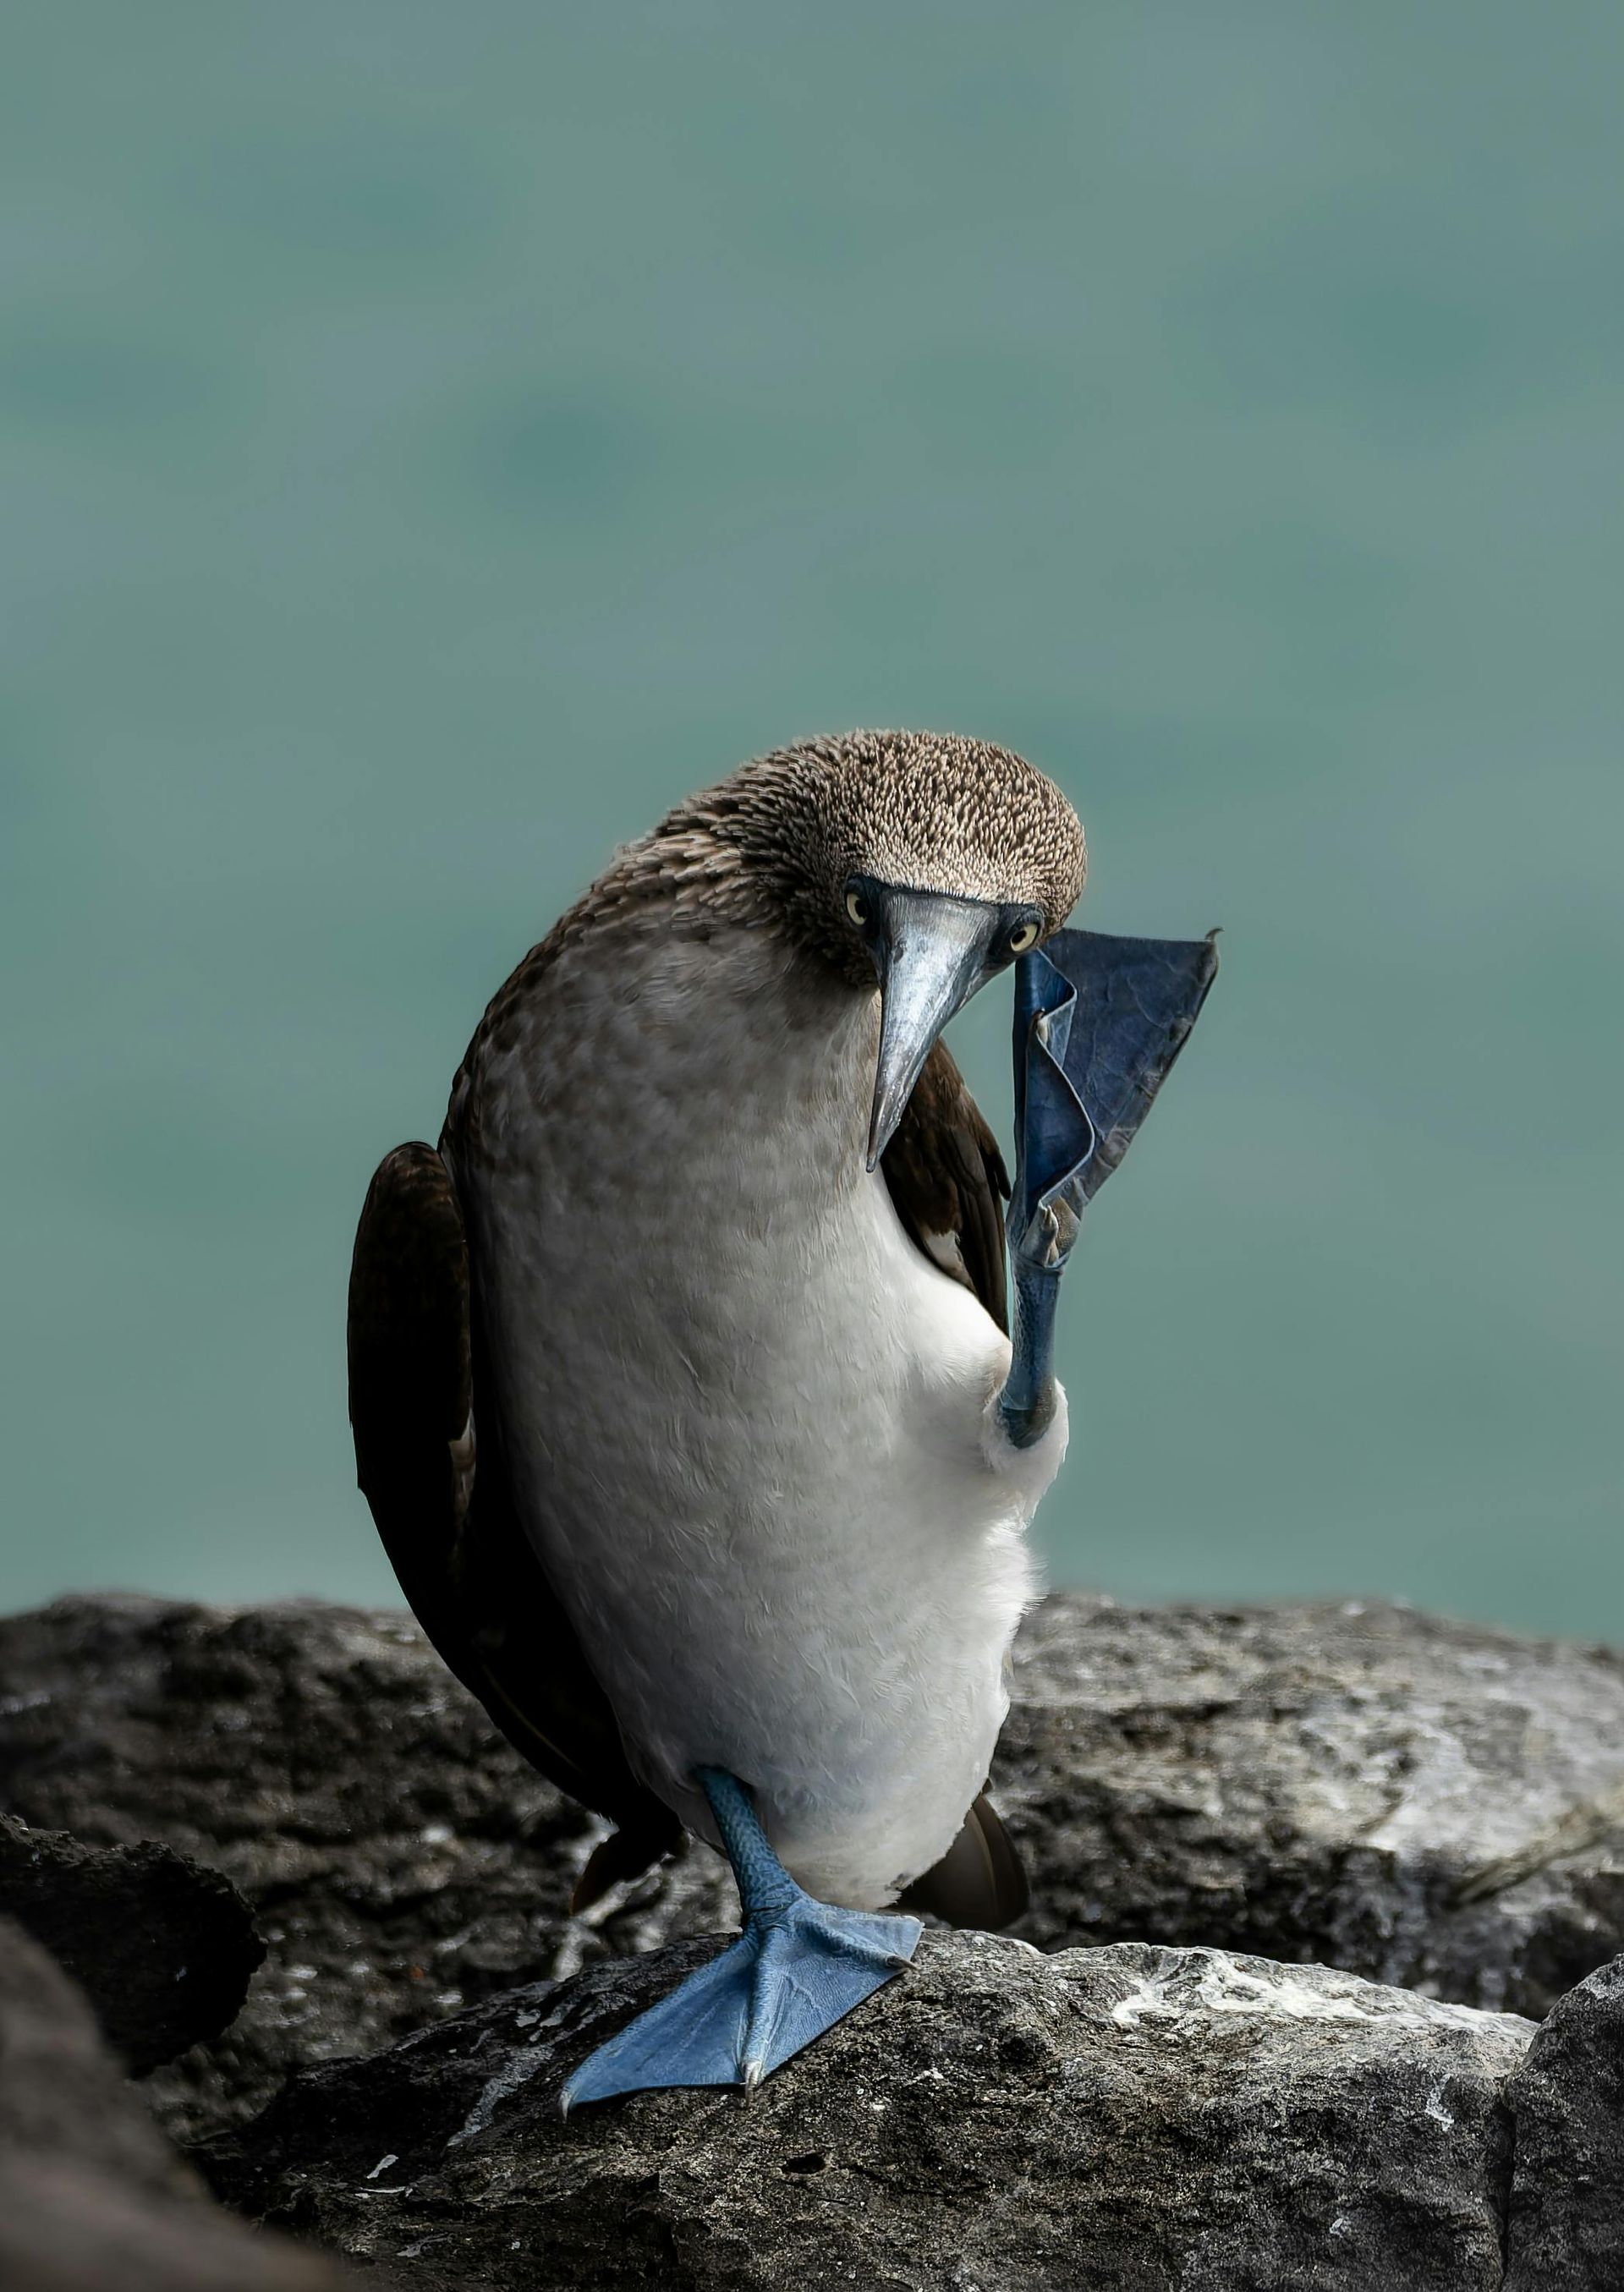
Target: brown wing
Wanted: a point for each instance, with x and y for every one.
(947, 1181)
(979, 1882)
(433, 1475)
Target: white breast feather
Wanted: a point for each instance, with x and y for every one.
(750, 1424)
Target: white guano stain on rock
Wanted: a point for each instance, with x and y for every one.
(1212, 1981)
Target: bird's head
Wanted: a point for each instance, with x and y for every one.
(920, 860)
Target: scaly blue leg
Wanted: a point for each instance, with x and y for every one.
(1099, 1020)
(797, 1969)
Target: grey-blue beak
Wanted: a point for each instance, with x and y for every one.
(931, 952)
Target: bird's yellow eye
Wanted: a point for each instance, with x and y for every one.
(857, 908)
(1024, 935)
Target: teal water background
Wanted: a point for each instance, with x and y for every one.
(434, 439)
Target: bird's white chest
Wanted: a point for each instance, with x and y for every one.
(748, 1420)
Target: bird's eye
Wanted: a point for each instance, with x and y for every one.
(1024, 935)
(857, 908)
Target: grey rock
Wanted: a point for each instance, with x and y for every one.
(400, 1858)
(91, 2197)
(162, 1947)
(1427, 1803)
(1127, 2120)
(1567, 2198)
(1424, 1802)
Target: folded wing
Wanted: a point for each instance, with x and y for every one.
(432, 1472)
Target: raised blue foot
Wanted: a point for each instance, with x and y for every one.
(1099, 1020)
(797, 1969)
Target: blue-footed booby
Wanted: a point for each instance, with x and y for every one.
(679, 1371)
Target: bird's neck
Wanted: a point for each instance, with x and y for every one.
(791, 1043)
(650, 1046)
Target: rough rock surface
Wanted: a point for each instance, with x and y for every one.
(162, 1947)
(1427, 1803)
(92, 2198)
(1424, 1802)
(1131, 2118)
(400, 1857)
(1567, 2199)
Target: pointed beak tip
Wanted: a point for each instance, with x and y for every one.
(890, 1105)
(884, 1116)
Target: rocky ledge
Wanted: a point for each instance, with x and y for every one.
(1218, 1799)
(1127, 2120)
(1125, 2116)
(1422, 1802)
(91, 2197)
(163, 1947)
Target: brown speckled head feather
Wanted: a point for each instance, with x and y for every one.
(772, 846)
(930, 810)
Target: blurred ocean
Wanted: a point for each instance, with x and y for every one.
(432, 440)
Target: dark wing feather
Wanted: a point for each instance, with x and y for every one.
(979, 1882)
(446, 1519)
(948, 1182)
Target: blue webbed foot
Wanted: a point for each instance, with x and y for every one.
(792, 1974)
(798, 1967)
(1099, 1021)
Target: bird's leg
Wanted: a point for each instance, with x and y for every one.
(797, 1969)
(1027, 1403)
(1099, 1020)
(1055, 1142)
